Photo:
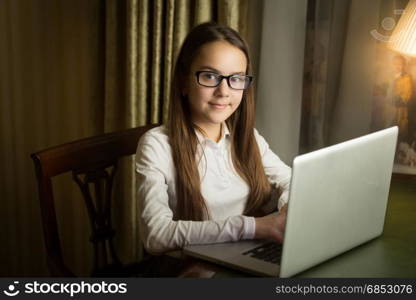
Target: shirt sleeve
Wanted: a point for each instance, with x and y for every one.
(277, 172)
(158, 231)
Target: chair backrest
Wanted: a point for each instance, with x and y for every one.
(92, 161)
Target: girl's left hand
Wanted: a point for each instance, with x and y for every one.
(272, 227)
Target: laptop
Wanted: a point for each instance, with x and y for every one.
(337, 201)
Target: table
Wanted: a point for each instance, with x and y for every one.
(391, 255)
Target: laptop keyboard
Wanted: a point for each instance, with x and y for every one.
(270, 252)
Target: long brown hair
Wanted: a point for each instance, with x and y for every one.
(184, 142)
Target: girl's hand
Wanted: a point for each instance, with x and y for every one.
(272, 227)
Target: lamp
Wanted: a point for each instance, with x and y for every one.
(403, 39)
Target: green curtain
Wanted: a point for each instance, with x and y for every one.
(143, 38)
(51, 92)
(73, 69)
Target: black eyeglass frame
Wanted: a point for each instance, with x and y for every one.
(221, 77)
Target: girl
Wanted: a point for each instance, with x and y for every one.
(207, 176)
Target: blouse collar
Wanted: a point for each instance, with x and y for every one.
(225, 132)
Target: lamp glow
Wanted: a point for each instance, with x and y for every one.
(403, 39)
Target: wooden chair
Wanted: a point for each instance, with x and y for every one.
(92, 161)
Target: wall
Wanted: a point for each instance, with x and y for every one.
(279, 83)
(353, 110)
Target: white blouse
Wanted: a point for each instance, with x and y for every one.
(224, 192)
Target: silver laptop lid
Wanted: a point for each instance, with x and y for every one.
(338, 199)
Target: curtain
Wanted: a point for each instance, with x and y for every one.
(73, 69)
(51, 92)
(143, 39)
(324, 49)
(345, 62)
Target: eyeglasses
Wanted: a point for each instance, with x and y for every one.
(211, 79)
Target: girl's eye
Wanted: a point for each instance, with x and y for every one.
(209, 76)
(237, 79)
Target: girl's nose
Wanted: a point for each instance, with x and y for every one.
(223, 90)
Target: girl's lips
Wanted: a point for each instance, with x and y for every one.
(219, 106)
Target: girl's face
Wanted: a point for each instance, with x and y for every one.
(210, 106)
